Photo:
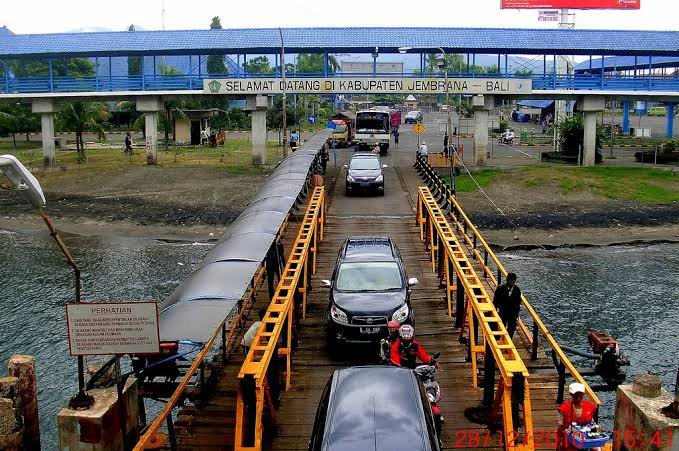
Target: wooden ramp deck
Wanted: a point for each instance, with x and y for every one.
(211, 425)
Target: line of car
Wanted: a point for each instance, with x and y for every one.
(374, 407)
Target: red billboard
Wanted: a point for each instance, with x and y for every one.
(573, 4)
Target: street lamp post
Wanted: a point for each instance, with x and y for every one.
(30, 189)
(443, 63)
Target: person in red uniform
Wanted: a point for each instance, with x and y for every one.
(577, 410)
(406, 350)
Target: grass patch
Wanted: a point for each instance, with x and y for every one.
(641, 184)
(465, 184)
(235, 157)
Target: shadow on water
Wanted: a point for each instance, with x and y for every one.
(37, 283)
(630, 292)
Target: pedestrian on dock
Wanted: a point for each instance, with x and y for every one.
(507, 300)
(445, 145)
(577, 411)
(396, 137)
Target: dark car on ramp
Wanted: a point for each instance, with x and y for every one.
(369, 287)
(364, 173)
(374, 408)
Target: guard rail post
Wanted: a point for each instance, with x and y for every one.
(170, 433)
(459, 304)
(536, 341)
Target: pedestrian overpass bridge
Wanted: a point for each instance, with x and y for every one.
(136, 65)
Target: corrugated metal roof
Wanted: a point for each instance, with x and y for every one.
(627, 63)
(359, 40)
(4, 31)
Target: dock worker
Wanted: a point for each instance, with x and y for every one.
(507, 300)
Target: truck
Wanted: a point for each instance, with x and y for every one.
(373, 127)
(342, 125)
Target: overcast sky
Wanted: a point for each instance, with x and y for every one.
(48, 16)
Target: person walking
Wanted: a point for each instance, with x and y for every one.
(396, 137)
(203, 137)
(128, 144)
(507, 299)
(445, 145)
(324, 158)
(294, 139)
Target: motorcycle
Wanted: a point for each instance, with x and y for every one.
(506, 140)
(426, 375)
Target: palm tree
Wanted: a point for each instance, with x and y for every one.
(81, 116)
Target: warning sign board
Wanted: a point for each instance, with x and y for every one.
(419, 128)
(105, 328)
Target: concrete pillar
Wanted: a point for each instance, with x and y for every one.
(625, 117)
(482, 105)
(11, 420)
(23, 368)
(669, 131)
(639, 420)
(258, 105)
(46, 108)
(150, 106)
(99, 428)
(590, 105)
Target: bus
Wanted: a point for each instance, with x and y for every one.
(373, 127)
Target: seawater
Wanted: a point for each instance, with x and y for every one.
(631, 292)
(36, 284)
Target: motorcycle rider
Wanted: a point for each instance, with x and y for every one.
(385, 343)
(508, 136)
(406, 350)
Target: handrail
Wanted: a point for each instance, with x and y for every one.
(236, 324)
(466, 225)
(441, 240)
(279, 315)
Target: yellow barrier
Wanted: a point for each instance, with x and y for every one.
(439, 236)
(279, 317)
(465, 227)
(441, 160)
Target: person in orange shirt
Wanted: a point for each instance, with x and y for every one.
(577, 410)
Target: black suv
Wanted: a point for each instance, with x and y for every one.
(369, 287)
(364, 172)
(370, 408)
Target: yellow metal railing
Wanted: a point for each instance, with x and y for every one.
(279, 318)
(441, 160)
(442, 242)
(474, 240)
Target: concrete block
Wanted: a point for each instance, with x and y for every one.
(483, 102)
(647, 385)
(593, 103)
(23, 368)
(10, 420)
(639, 420)
(44, 106)
(9, 388)
(254, 103)
(150, 104)
(98, 428)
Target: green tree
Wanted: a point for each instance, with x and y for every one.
(134, 63)
(72, 67)
(572, 136)
(17, 119)
(315, 62)
(523, 73)
(258, 65)
(80, 117)
(215, 63)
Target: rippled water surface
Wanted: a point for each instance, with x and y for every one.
(37, 283)
(633, 292)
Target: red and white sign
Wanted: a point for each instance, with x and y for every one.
(572, 4)
(105, 328)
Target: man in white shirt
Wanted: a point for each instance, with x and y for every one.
(424, 149)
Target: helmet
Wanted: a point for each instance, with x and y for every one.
(406, 333)
(393, 325)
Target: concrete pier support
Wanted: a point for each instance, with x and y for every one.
(590, 106)
(258, 105)
(46, 108)
(150, 106)
(625, 117)
(11, 420)
(23, 368)
(639, 421)
(482, 105)
(99, 427)
(669, 131)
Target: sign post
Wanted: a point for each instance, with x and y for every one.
(103, 328)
